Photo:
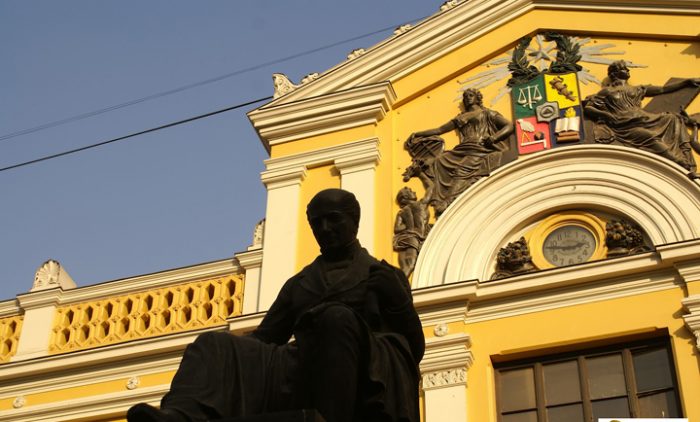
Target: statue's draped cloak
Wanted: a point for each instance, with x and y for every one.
(456, 169)
(660, 133)
(223, 375)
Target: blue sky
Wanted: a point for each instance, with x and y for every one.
(168, 199)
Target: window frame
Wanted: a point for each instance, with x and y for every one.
(626, 350)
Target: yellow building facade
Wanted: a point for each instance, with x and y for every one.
(560, 341)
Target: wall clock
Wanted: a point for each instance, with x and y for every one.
(567, 239)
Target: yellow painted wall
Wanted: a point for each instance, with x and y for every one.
(576, 328)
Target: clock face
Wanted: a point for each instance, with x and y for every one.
(569, 245)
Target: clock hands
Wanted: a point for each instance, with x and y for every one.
(567, 247)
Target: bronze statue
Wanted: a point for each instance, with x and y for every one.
(410, 229)
(446, 174)
(357, 341)
(617, 113)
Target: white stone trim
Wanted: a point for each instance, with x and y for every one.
(692, 319)
(363, 151)
(277, 124)
(99, 406)
(9, 308)
(251, 261)
(444, 377)
(356, 162)
(650, 190)
(450, 30)
(158, 280)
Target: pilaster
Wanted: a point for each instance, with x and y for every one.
(39, 309)
(281, 230)
(251, 262)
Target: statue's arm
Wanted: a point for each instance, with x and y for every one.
(437, 131)
(278, 324)
(505, 128)
(653, 90)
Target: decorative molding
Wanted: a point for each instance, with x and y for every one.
(447, 312)
(133, 383)
(250, 259)
(441, 330)
(84, 408)
(282, 178)
(692, 319)
(336, 111)
(9, 308)
(452, 29)
(50, 275)
(449, 4)
(356, 53)
(652, 191)
(445, 353)
(358, 152)
(150, 281)
(402, 29)
(447, 378)
(19, 402)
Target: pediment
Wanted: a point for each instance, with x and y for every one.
(411, 50)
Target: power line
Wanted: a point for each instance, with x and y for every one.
(121, 138)
(187, 87)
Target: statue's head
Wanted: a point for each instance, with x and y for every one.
(405, 196)
(334, 217)
(472, 96)
(618, 70)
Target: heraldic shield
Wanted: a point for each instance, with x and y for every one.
(547, 112)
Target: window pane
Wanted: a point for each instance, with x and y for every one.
(652, 369)
(530, 416)
(661, 405)
(561, 383)
(612, 408)
(570, 413)
(517, 390)
(607, 378)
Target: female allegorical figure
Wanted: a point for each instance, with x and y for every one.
(481, 135)
(618, 115)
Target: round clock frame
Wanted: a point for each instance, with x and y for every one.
(567, 239)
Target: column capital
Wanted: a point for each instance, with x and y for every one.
(283, 177)
(692, 319)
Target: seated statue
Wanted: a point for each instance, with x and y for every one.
(356, 348)
(446, 174)
(619, 117)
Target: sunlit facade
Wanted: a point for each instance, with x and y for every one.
(576, 334)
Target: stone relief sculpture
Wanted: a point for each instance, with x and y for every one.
(410, 229)
(514, 259)
(624, 238)
(51, 274)
(446, 174)
(619, 117)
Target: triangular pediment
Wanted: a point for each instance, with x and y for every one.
(435, 38)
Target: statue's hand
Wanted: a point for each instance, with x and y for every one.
(487, 142)
(694, 82)
(385, 282)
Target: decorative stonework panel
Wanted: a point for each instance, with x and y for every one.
(146, 314)
(445, 378)
(9, 336)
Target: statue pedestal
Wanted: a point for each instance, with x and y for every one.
(306, 415)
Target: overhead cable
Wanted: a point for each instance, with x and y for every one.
(187, 87)
(121, 138)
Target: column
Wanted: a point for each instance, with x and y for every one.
(357, 175)
(281, 231)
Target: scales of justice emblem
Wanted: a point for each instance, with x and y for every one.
(547, 112)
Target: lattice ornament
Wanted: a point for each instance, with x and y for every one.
(146, 314)
(10, 328)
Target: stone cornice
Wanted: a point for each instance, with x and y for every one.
(447, 31)
(692, 319)
(9, 308)
(360, 151)
(335, 111)
(250, 259)
(448, 352)
(41, 298)
(559, 287)
(150, 281)
(279, 178)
